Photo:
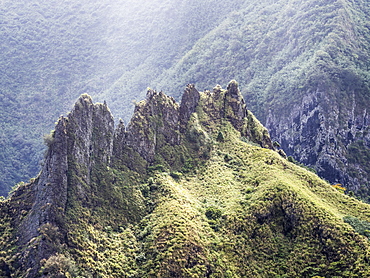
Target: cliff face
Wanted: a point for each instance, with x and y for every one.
(329, 135)
(157, 115)
(80, 143)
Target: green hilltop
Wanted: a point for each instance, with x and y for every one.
(194, 189)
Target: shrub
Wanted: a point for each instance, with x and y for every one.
(228, 158)
(157, 167)
(276, 144)
(220, 137)
(291, 159)
(213, 213)
(176, 175)
(59, 266)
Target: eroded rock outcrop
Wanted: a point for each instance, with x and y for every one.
(159, 120)
(81, 141)
(328, 136)
(189, 102)
(158, 115)
(85, 145)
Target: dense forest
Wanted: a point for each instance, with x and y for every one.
(303, 67)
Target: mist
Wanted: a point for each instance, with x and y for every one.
(54, 51)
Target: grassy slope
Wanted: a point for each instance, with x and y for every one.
(276, 220)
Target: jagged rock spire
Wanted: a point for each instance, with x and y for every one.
(189, 103)
(80, 141)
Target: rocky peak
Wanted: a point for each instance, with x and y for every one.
(79, 142)
(91, 128)
(217, 104)
(235, 108)
(214, 107)
(156, 116)
(189, 102)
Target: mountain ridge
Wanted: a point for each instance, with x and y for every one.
(185, 192)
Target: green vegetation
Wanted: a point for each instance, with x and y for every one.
(253, 215)
(212, 203)
(276, 50)
(291, 58)
(239, 211)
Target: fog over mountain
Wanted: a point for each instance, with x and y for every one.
(303, 67)
(52, 51)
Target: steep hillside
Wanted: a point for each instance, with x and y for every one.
(53, 51)
(304, 69)
(189, 190)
